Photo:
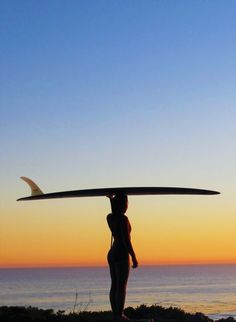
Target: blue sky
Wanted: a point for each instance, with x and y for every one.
(97, 93)
(117, 93)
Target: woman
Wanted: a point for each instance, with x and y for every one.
(118, 255)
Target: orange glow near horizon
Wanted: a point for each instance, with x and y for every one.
(173, 233)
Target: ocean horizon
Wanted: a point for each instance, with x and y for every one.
(210, 289)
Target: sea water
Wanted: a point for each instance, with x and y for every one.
(210, 289)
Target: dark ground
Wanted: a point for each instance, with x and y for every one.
(159, 314)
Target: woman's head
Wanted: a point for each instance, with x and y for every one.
(119, 203)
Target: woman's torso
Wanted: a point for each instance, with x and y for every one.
(118, 250)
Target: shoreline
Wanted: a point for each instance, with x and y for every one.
(155, 312)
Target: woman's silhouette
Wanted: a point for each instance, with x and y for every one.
(118, 255)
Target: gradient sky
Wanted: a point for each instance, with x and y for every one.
(117, 93)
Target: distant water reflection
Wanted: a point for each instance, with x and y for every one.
(210, 289)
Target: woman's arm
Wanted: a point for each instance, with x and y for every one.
(109, 221)
(127, 240)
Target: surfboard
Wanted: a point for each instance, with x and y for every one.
(37, 193)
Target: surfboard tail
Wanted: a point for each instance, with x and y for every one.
(35, 190)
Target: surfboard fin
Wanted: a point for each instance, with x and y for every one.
(35, 190)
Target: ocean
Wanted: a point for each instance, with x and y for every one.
(210, 289)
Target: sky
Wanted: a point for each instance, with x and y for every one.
(117, 93)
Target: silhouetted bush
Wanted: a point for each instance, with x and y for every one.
(160, 314)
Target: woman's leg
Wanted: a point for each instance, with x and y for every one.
(113, 289)
(122, 274)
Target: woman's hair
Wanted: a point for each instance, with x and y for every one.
(119, 203)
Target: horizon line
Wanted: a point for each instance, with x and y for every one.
(105, 265)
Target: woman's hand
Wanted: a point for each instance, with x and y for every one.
(110, 196)
(135, 262)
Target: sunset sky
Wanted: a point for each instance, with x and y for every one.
(117, 93)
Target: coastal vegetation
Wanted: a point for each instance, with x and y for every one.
(158, 313)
